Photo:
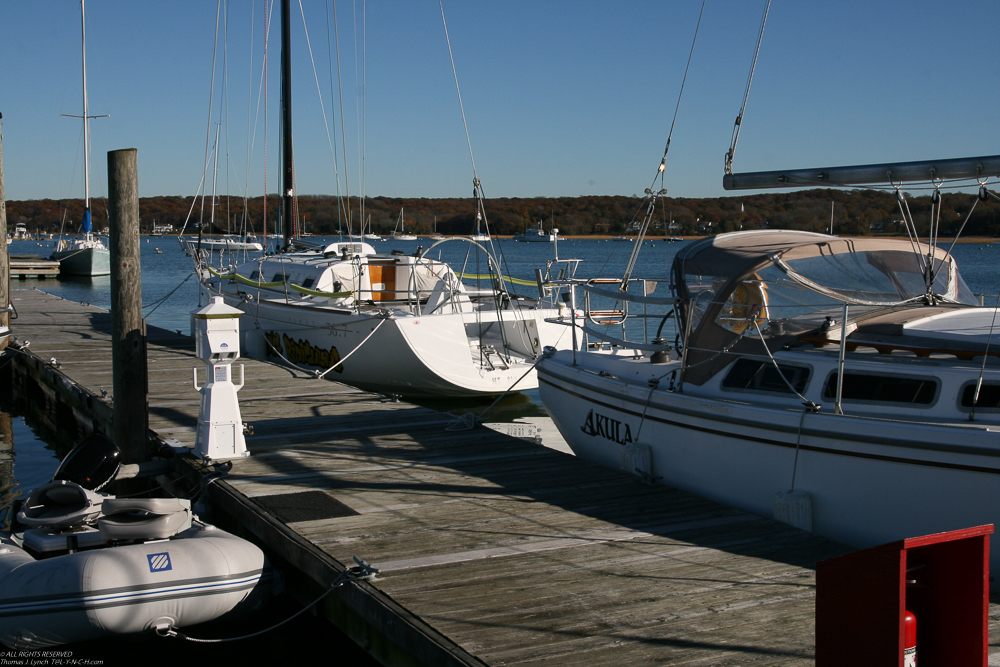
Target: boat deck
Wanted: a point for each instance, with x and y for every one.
(493, 550)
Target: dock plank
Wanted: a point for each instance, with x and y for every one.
(494, 550)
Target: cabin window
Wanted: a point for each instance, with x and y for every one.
(255, 275)
(763, 376)
(278, 278)
(907, 390)
(989, 396)
(307, 283)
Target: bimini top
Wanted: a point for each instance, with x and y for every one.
(774, 284)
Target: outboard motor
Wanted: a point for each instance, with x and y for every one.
(93, 463)
(62, 513)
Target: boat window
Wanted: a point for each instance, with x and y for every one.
(989, 396)
(307, 283)
(763, 376)
(255, 275)
(908, 390)
(278, 278)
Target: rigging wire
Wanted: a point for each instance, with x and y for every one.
(746, 94)
(650, 194)
(336, 165)
(457, 89)
(343, 132)
(319, 92)
(208, 132)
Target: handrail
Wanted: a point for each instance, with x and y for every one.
(474, 276)
(276, 284)
(626, 296)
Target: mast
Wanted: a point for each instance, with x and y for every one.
(87, 226)
(288, 184)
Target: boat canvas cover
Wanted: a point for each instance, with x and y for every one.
(708, 274)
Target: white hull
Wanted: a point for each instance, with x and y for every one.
(871, 480)
(225, 244)
(407, 355)
(195, 577)
(84, 262)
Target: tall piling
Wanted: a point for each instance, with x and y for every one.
(128, 329)
(4, 257)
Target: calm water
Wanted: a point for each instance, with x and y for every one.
(28, 457)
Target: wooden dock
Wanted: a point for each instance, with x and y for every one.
(493, 550)
(32, 266)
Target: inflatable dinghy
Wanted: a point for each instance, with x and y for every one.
(92, 565)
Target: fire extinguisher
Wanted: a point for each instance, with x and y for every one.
(909, 640)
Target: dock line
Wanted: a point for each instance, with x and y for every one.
(363, 571)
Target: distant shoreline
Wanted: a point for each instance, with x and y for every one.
(608, 237)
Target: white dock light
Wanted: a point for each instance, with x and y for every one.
(216, 329)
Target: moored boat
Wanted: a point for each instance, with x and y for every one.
(85, 255)
(90, 565)
(392, 323)
(389, 322)
(537, 235)
(848, 386)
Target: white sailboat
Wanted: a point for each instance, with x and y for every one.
(399, 234)
(849, 387)
(84, 255)
(387, 322)
(226, 243)
(370, 236)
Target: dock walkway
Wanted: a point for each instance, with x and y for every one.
(493, 550)
(32, 266)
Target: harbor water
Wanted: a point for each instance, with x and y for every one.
(29, 456)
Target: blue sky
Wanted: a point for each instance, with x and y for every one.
(562, 98)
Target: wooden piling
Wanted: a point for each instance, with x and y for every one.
(4, 258)
(128, 329)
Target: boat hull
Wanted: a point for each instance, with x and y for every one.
(870, 480)
(198, 576)
(86, 262)
(413, 356)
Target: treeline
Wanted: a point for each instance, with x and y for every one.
(855, 213)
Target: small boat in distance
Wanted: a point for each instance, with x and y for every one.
(224, 243)
(399, 234)
(370, 236)
(85, 255)
(537, 235)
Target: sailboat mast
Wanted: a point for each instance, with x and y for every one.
(288, 186)
(86, 124)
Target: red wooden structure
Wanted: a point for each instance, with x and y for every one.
(942, 579)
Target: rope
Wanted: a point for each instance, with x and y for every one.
(650, 194)
(468, 421)
(160, 302)
(344, 358)
(663, 162)
(746, 94)
(457, 89)
(982, 370)
(277, 352)
(363, 571)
